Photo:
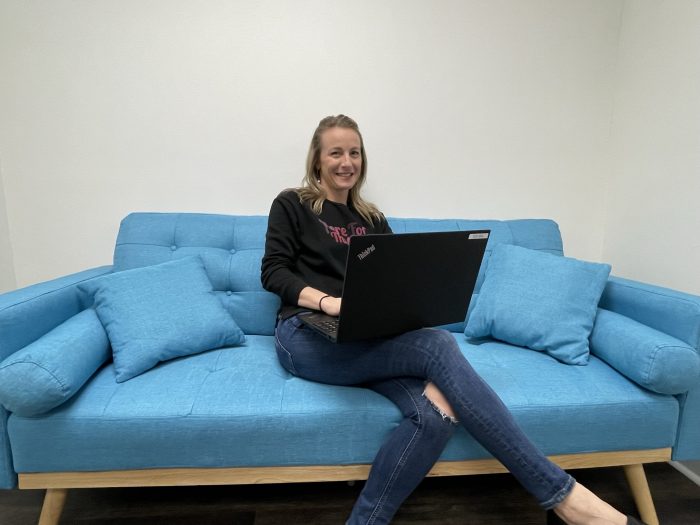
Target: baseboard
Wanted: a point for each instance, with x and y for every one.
(691, 475)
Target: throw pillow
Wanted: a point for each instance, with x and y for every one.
(538, 300)
(49, 371)
(156, 313)
(652, 359)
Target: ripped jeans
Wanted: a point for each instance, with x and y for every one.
(397, 368)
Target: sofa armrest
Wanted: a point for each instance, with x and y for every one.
(687, 445)
(26, 315)
(672, 312)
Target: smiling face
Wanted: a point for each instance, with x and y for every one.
(340, 162)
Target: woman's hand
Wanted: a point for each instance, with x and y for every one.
(331, 306)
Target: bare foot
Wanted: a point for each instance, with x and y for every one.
(582, 507)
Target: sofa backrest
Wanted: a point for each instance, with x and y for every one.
(232, 247)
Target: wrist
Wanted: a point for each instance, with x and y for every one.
(320, 302)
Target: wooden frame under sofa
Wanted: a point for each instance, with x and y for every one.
(57, 484)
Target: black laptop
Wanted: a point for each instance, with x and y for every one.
(395, 283)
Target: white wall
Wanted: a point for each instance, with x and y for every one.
(652, 230)
(482, 109)
(7, 268)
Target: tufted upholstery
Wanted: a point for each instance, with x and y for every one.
(232, 248)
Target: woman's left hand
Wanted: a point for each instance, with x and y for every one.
(331, 306)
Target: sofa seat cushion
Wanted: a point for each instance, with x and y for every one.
(238, 407)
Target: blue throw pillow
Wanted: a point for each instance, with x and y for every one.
(49, 371)
(538, 300)
(160, 312)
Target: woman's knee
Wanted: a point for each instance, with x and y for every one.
(439, 403)
(438, 337)
(442, 344)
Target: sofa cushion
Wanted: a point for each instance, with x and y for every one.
(539, 300)
(47, 372)
(160, 312)
(270, 418)
(652, 359)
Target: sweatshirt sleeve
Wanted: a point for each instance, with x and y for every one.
(281, 251)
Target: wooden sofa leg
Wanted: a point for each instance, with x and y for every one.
(54, 501)
(637, 480)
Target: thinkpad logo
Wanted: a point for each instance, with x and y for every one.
(364, 253)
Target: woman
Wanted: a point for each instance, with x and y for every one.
(422, 372)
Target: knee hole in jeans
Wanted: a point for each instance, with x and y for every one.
(439, 403)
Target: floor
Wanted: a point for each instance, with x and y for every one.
(483, 500)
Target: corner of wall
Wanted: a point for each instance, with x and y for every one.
(690, 469)
(8, 280)
(611, 161)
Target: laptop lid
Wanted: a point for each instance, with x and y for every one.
(400, 282)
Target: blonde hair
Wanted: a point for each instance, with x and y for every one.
(312, 191)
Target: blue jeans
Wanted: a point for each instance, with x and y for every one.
(397, 368)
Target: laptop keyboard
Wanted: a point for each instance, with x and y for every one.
(330, 325)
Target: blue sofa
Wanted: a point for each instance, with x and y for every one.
(235, 416)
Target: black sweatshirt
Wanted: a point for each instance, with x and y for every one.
(304, 249)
